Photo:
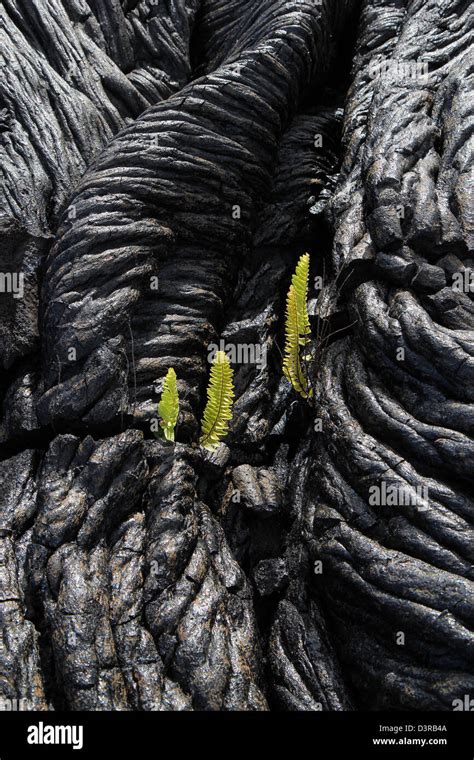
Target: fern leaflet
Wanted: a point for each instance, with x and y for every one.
(297, 328)
(220, 397)
(300, 283)
(168, 408)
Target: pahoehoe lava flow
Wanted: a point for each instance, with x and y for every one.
(165, 167)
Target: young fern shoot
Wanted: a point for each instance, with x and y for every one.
(297, 328)
(220, 398)
(168, 408)
(300, 281)
(292, 368)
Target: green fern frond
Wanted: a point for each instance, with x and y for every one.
(297, 327)
(168, 408)
(300, 281)
(220, 397)
(292, 368)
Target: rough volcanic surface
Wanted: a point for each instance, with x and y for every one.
(164, 166)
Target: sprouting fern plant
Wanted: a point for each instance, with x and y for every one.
(220, 397)
(297, 328)
(292, 368)
(168, 407)
(300, 281)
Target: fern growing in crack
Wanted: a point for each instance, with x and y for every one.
(220, 398)
(168, 407)
(297, 329)
(300, 281)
